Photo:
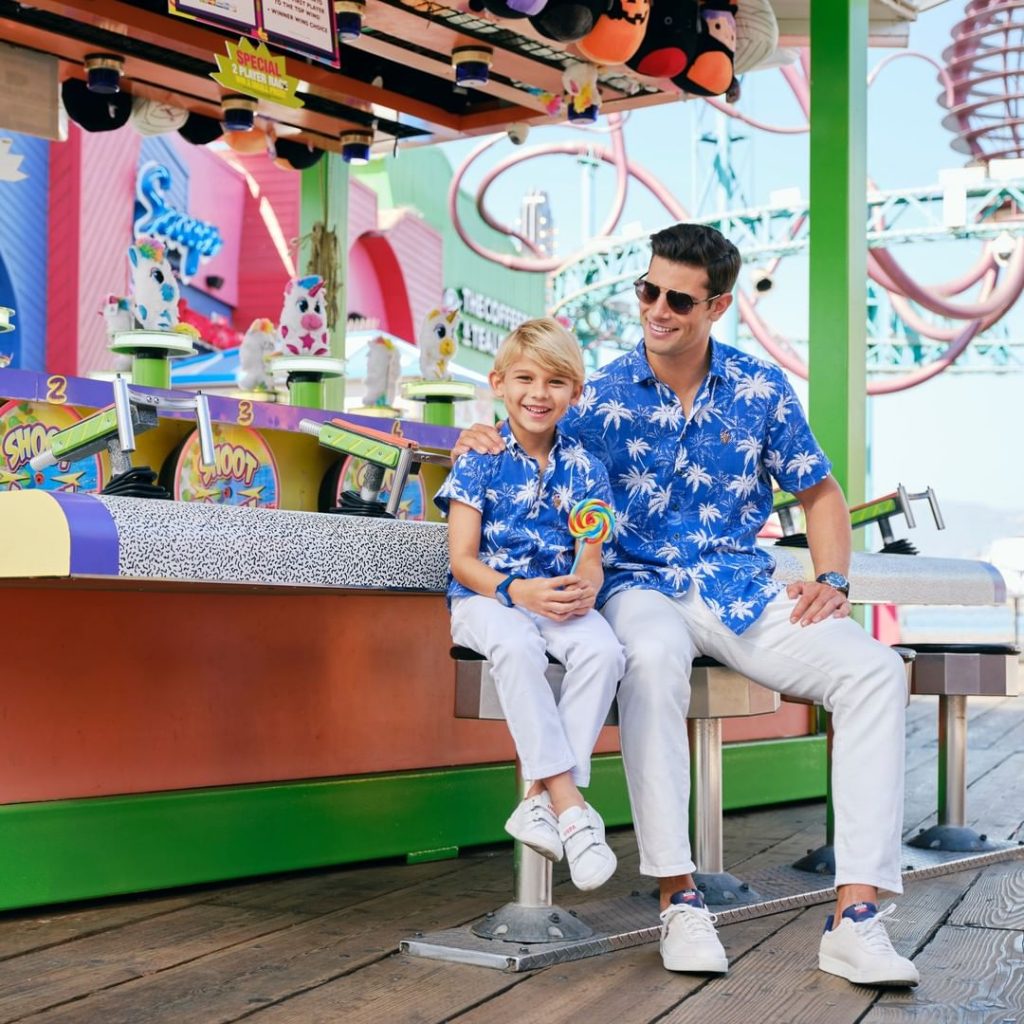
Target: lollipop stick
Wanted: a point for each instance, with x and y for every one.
(580, 545)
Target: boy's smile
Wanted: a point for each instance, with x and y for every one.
(536, 398)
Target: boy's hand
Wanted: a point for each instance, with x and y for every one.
(557, 597)
(587, 594)
(480, 438)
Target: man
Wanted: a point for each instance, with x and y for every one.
(691, 432)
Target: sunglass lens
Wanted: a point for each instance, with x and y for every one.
(678, 302)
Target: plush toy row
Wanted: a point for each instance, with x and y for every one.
(691, 42)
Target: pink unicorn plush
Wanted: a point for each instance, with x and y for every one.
(303, 323)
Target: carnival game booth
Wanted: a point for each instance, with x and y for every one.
(243, 684)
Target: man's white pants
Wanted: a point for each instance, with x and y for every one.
(550, 738)
(834, 663)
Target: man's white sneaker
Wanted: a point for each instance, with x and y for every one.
(860, 950)
(689, 941)
(535, 825)
(591, 860)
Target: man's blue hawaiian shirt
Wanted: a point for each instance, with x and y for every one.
(691, 496)
(524, 524)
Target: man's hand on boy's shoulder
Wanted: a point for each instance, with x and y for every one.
(482, 438)
(555, 597)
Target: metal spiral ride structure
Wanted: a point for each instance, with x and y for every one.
(915, 331)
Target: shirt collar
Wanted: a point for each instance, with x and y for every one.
(516, 449)
(641, 372)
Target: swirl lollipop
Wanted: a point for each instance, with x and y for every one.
(590, 521)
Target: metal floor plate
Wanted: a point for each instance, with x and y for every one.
(626, 921)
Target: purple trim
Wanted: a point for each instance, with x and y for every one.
(27, 385)
(94, 541)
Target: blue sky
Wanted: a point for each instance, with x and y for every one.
(960, 433)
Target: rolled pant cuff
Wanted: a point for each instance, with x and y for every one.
(547, 771)
(686, 867)
(880, 882)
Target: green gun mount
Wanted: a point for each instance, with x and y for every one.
(115, 427)
(380, 450)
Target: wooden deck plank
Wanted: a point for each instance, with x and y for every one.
(627, 987)
(227, 984)
(996, 900)
(971, 975)
(48, 977)
(779, 981)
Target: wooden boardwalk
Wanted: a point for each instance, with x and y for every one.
(320, 947)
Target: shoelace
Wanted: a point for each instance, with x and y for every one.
(873, 933)
(699, 923)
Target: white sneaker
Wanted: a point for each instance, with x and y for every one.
(534, 824)
(860, 950)
(591, 860)
(689, 941)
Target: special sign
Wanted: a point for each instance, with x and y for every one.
(25, 430)
(244, 473)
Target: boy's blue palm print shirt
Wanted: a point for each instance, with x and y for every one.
(691, 496)
(524, 524)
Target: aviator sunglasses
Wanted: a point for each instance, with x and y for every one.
(678, 302)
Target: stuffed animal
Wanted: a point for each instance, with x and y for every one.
(383, 368)
(258, 345)
(154, 290)
(509, 9)
(711, 72)
(117, 317)
(437, 343)
(303, 323)
(567, 21)
(582, 97)
(617, 34)
(670, 41)
(757, 34)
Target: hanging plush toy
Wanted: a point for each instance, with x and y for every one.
(154, 290)
(757, 34)
(670, 40)
(567, 21)
(617, 34)
(711, 73)
(383, 368)
(510, 9)
(582, 98)
(437, 343)
(303, 323)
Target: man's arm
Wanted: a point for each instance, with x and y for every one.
(828, 537)
(481, 438)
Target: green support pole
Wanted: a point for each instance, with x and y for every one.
(324, 199)
(838, 246)
(307, 393)
(439, 412)
(151, 371)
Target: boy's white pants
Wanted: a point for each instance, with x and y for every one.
(550, 739)
(834, 663)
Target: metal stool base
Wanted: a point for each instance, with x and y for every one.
(821, 861)
(520, 925)
(952, 839)
(720, 889)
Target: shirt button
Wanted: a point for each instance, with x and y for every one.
(675, 536)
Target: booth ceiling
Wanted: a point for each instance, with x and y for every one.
(396, 79)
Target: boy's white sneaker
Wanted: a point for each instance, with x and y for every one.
(859, 949)
(535, 825)
(591, 860)
(689, 941)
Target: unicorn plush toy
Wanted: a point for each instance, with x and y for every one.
(437, 343)
(383, 368)
(258, 345)
(154, 291)
(303, 323)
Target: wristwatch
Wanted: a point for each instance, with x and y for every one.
(835, 580)
(501, 591)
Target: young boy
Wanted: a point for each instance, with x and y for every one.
(511, 600)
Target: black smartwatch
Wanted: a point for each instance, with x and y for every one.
(501, 591)
(835, 580)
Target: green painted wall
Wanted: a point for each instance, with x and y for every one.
(419, 178)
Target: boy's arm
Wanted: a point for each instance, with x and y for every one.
(590, 573)
(543, 596)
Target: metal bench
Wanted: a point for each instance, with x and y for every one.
(954, 672)
(717, 692)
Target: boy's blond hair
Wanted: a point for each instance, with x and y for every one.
(548, 343)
